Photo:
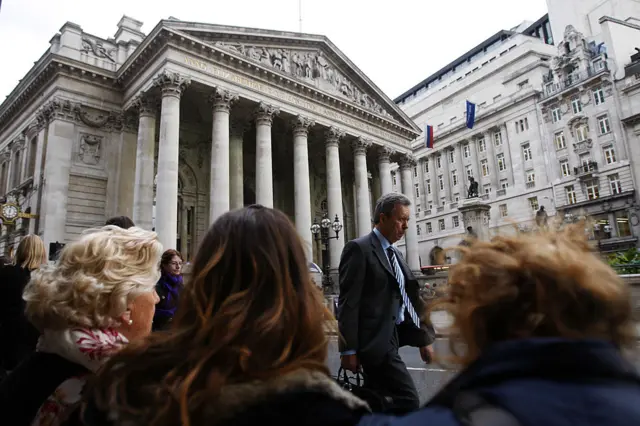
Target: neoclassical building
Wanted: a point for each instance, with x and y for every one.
(178, 126)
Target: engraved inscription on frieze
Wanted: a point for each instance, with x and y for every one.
(310, 66)
(90, 149)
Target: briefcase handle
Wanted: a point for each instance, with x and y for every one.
(343, 375)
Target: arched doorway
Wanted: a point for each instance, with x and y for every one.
(437, 256)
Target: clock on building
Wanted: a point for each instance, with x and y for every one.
(9, 212)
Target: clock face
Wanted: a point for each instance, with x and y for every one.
(9, 211)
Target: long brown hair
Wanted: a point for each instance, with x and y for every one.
(250, 312)
(546, 284)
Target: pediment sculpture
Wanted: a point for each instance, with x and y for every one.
(308, 65)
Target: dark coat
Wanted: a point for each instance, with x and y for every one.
(300, 398)
(162, 317)
(370, 300)
(550, 382)
(18, 336)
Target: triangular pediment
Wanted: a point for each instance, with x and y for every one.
(310, 59)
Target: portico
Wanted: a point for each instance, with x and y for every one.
(226, 117)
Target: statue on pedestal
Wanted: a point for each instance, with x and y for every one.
(473, 188)
(541, 217)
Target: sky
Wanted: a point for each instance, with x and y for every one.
(395, 43)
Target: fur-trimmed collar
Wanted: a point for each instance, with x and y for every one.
(236, 398)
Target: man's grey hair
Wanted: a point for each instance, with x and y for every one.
(386, 203)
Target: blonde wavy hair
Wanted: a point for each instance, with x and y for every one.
(31, 253)
(94, 280)
(544, 284)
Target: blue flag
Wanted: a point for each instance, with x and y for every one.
(428, 136)
(471, 114)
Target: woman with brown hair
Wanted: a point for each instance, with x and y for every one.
(543, 323)
(247, 345)
(169, 287)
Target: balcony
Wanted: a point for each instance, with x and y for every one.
(573, 79)
(501, 192)
(531, 185)
(586, 170)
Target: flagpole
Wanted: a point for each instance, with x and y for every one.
(300, 15)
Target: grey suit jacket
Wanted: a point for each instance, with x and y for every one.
(370, 300)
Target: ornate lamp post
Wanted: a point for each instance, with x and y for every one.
(320, 233)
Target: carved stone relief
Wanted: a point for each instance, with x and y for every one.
(310, 66)
(90, 149)
(97, 48)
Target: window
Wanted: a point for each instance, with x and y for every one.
(564, 168)
(593, 189)
(531, 176)
(503, 210)
(418, 228)
(16, 169)
(561, 143)
(415, 171)
(443, 202)
(455, 221)
(487, 189)
(426, 166)
(555, 115)
(441, 183)
(429, 228)
(502, 164)
(533, 203)
(576, 105)
(452, 157)
(393, 177)
(604, 125)
(585, 159)
(456, 198)
(441, 225)
(485, 167)
(614, 184)
(466, 151)
(609, 154)
(33, 148)
(497, 139)
(454, 178)
(428, 187)
(430, 206)
(469, 170)
(582, 133)
(417, 190)
(526, 152)
(598, 96)
(571, 194)
(504, 183)
(622, 222)
(482, 145)
(439, 161)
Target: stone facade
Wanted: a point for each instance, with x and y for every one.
(176, 127)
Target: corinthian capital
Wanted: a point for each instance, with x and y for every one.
(222, 99)
(360, 146)
(301, 125)
(145, 104)
(407, 161)
(333, 136)
(171, 83)
(264, 113)
(384, 153)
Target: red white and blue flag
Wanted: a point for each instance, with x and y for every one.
(428, 136)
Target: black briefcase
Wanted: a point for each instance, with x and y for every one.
(356, 385)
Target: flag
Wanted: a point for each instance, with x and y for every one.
(428, 136)
(471, 114)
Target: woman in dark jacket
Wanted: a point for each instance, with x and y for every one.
(168, 288)
(17, 335)
(544, 322)
(247, 346)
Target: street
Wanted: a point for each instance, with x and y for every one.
(428, 378)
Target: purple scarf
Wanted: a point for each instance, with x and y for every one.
(172, 285)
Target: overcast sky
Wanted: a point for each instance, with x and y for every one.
(396, 43)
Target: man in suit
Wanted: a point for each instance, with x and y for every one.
(380, 309)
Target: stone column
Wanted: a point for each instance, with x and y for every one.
(145, 152)
(475, 167)
(219, 177)
(411, 236)
(506, 148)
(334, 193)
(264, 160)
(172, 86)
(236, 163)
(384, 166)
(435, 186)
(462, 175)
(301, 183)
(446, 174)
(184, 231)
(422, 184)
(491, 160)
(363, 209)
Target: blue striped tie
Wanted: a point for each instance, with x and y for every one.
(406, 303)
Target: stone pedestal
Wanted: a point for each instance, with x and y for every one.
(475, 214)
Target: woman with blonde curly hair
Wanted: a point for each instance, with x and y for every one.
(543, 323)
(247, 345)
(97, 298)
